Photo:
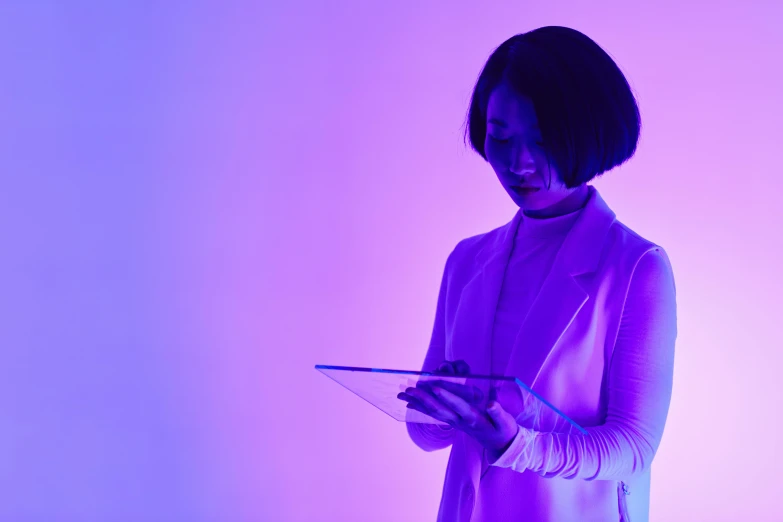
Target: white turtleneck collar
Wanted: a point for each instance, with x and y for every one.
(547, 227)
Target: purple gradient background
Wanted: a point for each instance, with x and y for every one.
(200, 201)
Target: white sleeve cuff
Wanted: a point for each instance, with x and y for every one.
(518, 454)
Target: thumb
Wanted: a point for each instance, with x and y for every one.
(497, 412)
(494, 406)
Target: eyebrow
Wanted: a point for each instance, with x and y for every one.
(501, 123)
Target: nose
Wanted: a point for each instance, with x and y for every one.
(522, 162)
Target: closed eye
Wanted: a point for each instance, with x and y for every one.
(498, 140)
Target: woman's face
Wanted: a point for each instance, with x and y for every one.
(513, 146)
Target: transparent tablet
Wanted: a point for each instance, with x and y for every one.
(380, 387)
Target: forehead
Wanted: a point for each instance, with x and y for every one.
(507, 106)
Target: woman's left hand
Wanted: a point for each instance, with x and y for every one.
(494, 428)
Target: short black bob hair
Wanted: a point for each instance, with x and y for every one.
(587, 113)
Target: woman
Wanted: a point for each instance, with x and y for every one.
(564, 296)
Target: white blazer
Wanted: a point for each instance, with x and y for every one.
(564, 351)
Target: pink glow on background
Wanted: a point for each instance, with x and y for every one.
(199, 204)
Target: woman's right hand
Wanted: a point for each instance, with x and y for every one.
(469, 393)
(421, 397)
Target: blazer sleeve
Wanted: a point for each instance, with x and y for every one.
(431, 437)
(639, 392)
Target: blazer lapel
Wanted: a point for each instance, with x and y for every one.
(557, 303)
(472, 330)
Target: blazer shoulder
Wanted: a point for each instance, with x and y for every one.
(631, 238)
(632, 246)
(467, 248)
(478, 241)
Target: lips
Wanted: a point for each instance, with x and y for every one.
(524, 190)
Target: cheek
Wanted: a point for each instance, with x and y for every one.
(547, 171)
(494, 156)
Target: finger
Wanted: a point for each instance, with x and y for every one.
(445, 368)
(424, 395)
(501, 419)
(411, 400)
(436, 415)
(461, 367)
(405, 397)
(469, 415)
(436, 408)
(416, 405)
(470, 393)
(413, 403)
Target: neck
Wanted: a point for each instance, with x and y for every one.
(571, 203)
